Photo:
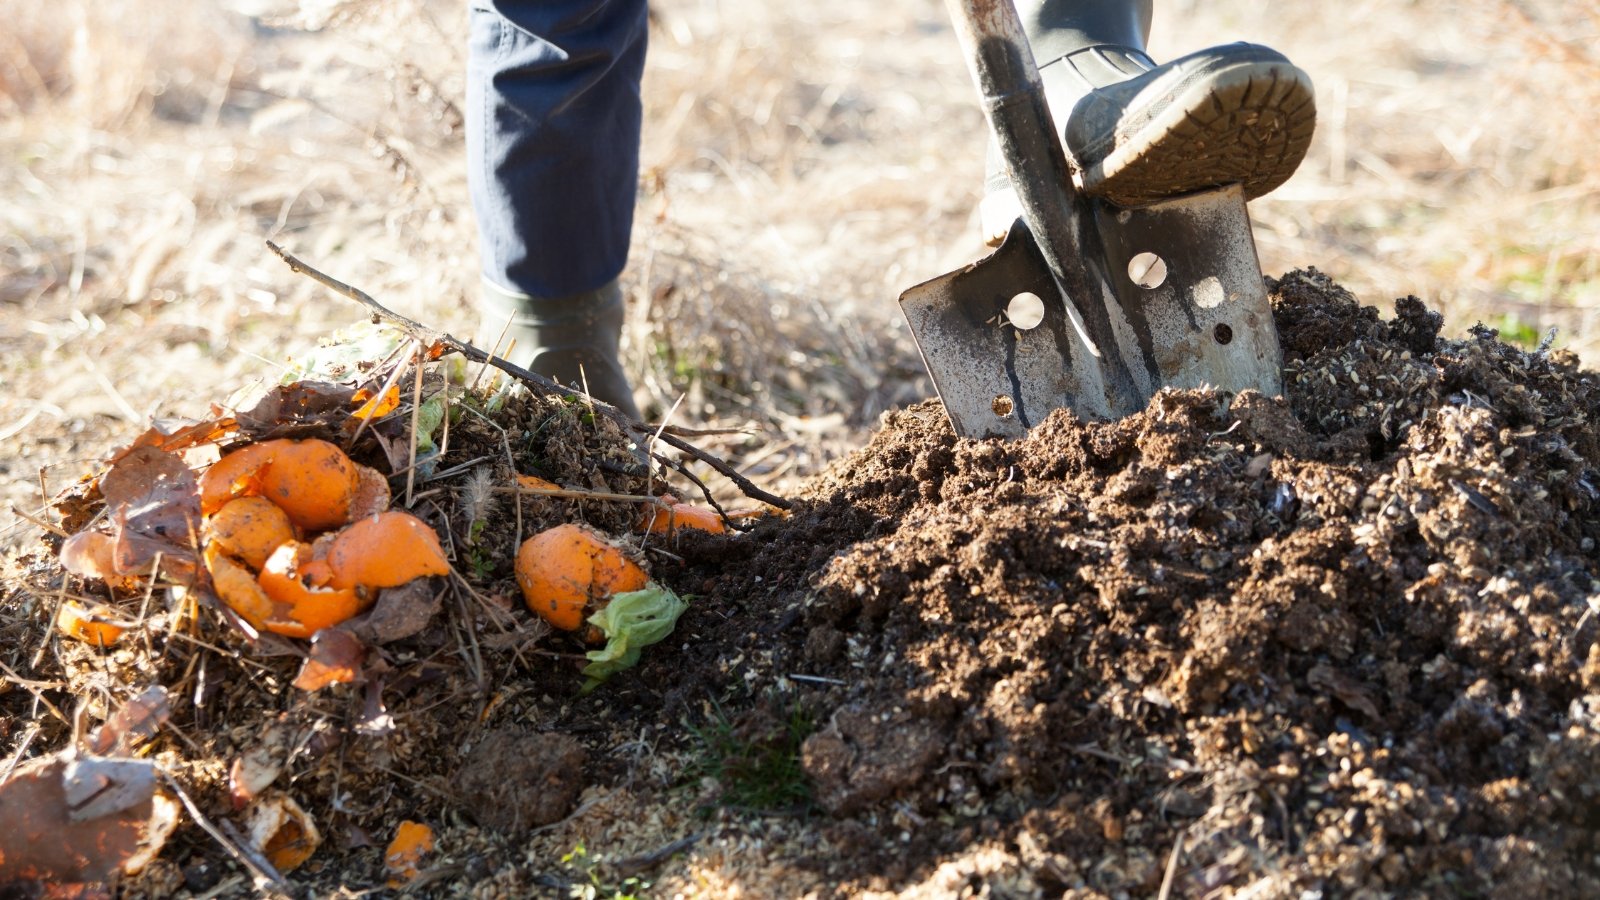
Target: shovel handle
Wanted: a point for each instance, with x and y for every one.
(1002, 65)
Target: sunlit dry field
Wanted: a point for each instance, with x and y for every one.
(802, 165)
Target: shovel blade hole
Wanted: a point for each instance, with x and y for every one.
(1147, 270)
(1025, 311)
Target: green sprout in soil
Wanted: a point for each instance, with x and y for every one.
(1514, 330)
(755, 758)
(482, 565)
(588, 883)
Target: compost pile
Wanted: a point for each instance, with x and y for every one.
(1346, 640)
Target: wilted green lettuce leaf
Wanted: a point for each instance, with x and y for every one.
(429, 417)
(631, 621)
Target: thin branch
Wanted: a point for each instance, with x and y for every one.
(574, 494)
(681, 431)
(744, 484)
(683, 470)
(1169, 878)
(434, 340)
(228, 837)
(39, 523)
(633, 865)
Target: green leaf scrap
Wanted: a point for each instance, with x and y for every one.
(632, 621)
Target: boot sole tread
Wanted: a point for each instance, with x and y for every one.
(1252, 131)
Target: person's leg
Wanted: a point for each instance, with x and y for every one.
(1137, 133)
(553, 120)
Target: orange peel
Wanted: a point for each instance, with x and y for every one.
(386, 550)
(301, 609)
(236, 475)
(249, 528)
(372, 493)
(678, 515)
(374, 404)
(262, 498)
(78, 621)
(535, 483)
(311, 480)
(283, 831)
(403, 857)
(566, 569)
(237, 587)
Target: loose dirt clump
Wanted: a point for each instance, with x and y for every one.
(513, 781)
(1340, 641)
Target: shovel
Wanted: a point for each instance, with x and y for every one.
(1084, 305)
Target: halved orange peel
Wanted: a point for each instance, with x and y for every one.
(271, 546)
(302, 607)
(238, 587)
(313, 481)
(235, 475)
(386, 550)
(678, 515)
(250, 528)
(565, 570)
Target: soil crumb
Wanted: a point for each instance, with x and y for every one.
(514, 781)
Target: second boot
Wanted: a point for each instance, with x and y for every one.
(572, 340)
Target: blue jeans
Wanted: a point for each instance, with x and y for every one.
(553, 117)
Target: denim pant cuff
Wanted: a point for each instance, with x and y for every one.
(553, 123)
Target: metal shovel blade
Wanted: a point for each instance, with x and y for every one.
(1189, 285)
(1124, 301)
(1179, 284)
(995, 379)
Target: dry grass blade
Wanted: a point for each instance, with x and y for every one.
(39, 523)
(230, 839)
(431, 339)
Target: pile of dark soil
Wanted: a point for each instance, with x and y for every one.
(1343, 642)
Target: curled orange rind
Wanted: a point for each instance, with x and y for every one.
(565, 570)
(299, 537)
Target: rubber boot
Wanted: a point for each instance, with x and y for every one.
(1137, 133)
(572, 340)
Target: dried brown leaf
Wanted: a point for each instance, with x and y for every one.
(260, 766)
(177, 435)
(336, 657)
(400, 612)
(298, 406)
(154, 502)
(73, 818)
(138, 720)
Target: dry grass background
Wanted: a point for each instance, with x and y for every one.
(803, 163)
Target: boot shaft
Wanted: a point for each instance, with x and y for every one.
(1057, 28)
